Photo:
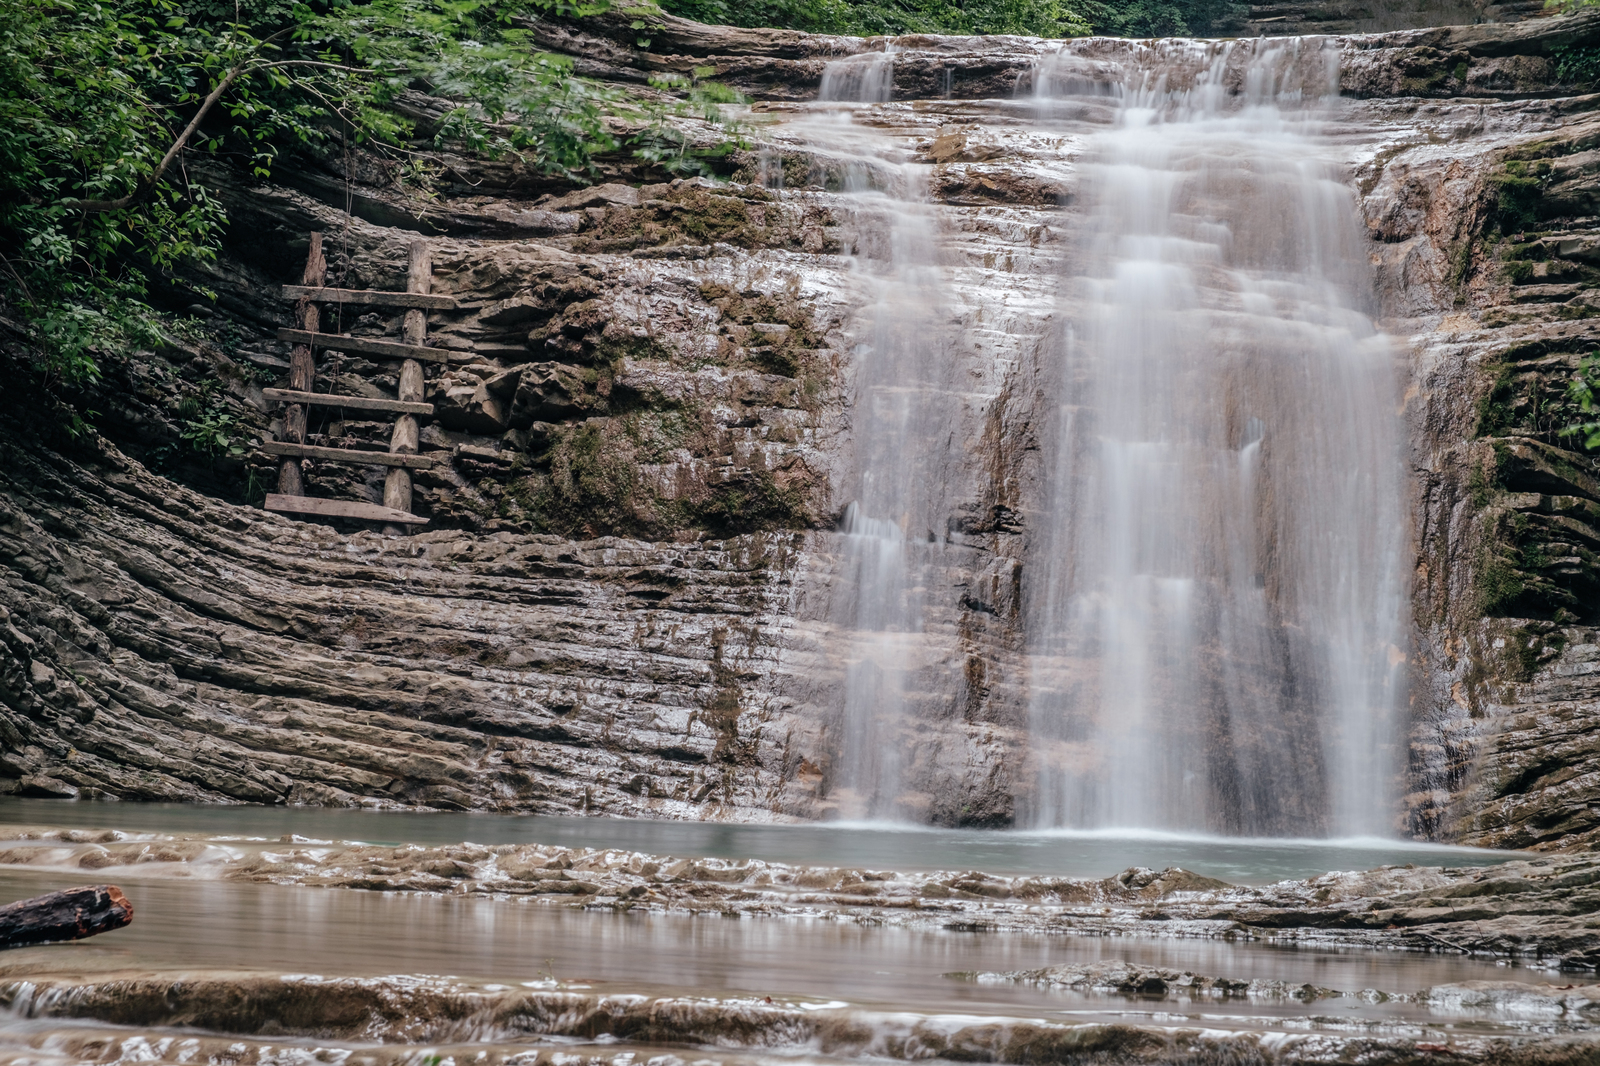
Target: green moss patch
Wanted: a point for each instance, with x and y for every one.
(1518, 187)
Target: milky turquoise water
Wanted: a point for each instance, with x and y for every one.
(1060, 853)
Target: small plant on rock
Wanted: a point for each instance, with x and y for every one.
(666, 142)
(1581, 391)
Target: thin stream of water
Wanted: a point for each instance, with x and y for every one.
(901, 412)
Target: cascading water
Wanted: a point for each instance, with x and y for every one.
(899, 413)
(1216, 612)
(867, 78)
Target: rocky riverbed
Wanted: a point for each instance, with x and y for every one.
(421, 1017)
(1537, 911)
(114, 1000)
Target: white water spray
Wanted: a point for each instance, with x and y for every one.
(1217, 616)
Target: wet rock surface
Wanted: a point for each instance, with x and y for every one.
(180, 649)
(1576, 1005)
(396, 1012)
(1534, 911)
(670, 361)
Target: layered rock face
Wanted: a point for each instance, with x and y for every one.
(1366, 16)
(634, 596)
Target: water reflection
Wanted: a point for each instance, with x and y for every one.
(197, 925)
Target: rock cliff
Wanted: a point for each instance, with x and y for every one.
(624, 601)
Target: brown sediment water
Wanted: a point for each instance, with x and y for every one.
(210, 925)
(292, 972)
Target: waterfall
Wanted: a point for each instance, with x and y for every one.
(867, 78)
(1216, 613)
(1212, 628)
(899, 419)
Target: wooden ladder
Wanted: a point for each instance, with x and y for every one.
(402, 457)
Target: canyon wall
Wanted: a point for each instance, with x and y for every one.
(625, 601)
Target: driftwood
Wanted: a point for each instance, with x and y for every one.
(70, 914)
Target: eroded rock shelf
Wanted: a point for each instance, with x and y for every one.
(621, 603)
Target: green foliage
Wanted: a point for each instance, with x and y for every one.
(1581, 394)
(1499, 585)
(511, 98)
(1518, 188)
(1576, 64)
(668, 144)
(1037, 18)
(71, 332)
(868, 18)
(1480, 486)
(1494, 406)
(1163, 18)
(209, 429)
(1539, 403)
(211, 433)
(102, 104)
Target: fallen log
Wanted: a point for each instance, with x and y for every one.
(70, 914)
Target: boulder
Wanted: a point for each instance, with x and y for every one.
(463, 402)
(597, 196)
(515, 311)
(549, 392)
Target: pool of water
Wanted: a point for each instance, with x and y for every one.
(1062, 853)
(207, 925)
(874, 981)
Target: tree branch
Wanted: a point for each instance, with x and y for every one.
(312, 63)
(148, 185)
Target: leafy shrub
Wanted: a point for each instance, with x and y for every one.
(1584, 427)
(1037, 18)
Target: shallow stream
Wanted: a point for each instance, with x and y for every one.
(847, 977)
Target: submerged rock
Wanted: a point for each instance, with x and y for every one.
(394, 1012)
(1533, 911)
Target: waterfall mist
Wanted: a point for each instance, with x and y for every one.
(1216, 611)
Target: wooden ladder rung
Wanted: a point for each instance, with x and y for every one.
(386, 349)
(348, 455)
(353, 403)
(369, 512)
(370, 297)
